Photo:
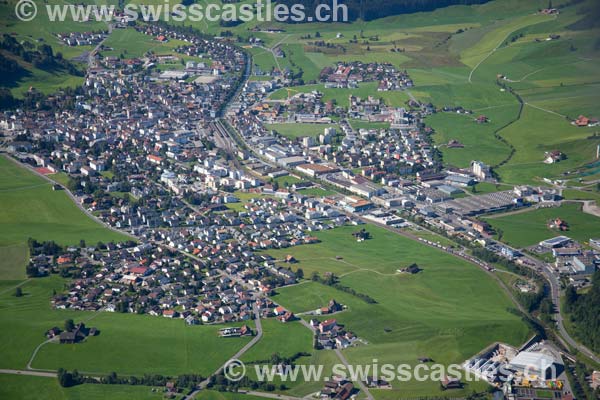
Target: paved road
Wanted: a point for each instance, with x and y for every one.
(363, 387)
(554, 284)
(91, 57)
(238, 355)
(551, 278)
(37, 349)
(29, 373)
(271, 395)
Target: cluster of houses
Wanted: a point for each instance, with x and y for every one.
(331, 335)
(351, 74)
(78, 333)
(338, 388)
(144, 154)
(81, 38)
(215, 285)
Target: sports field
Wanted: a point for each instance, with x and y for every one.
(449, 311)
(294, 130)
(528, 228)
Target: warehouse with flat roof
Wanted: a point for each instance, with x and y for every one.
(534, 364)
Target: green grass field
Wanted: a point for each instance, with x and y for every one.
(12, 261)
(127, 344)
(528, 228)
(31, 209)
(574, 194)
(449, 311)
(20, 387)
(43, 31)
(478, 139)
(294, 130)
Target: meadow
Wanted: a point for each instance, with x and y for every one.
(449, 311)
(287, 340)
(43, 31)
(574, 194)
(528, 228)
(31, 209)
(478, 139)
(127, 344)
(294, 130)
(19, 387)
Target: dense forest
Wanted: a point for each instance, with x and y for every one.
(585, 312)
(373, 9)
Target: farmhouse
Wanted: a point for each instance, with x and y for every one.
(551, 157)
(79, 333)
(450, 383)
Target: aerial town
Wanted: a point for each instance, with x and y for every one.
(228, 217)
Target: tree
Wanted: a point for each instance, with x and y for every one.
(69, 325)
(82, 243)
(18, 292)
(64, 378)
(570, 297)
(300, 273)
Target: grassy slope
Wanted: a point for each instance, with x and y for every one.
(12, 261)
(128, 344)
(30, 208)
(425, 314)
(526, 229)
(19, 387)
(537, 132)
(478, 139)
(43, 31)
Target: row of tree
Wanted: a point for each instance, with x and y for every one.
(331, 280)
(72, 378)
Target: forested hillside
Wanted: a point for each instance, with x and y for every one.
(372, 9)
(585, 312)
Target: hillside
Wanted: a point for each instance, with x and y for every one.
(374, 9)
